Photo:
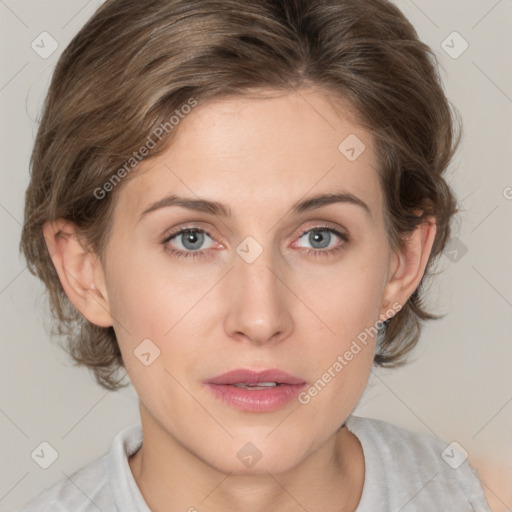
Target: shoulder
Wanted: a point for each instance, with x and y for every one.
(91, 487)
(394, 440)
(77, 492)
(415, 470)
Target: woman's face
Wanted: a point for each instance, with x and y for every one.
(258, 283)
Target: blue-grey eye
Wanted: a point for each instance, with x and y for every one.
(190, 240)
(320, 238)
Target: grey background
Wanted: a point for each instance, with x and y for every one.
(457, 387)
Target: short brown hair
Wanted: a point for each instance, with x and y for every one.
(134, 63)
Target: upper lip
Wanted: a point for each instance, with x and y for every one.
(244, 376)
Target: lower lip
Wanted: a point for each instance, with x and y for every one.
(256, 400)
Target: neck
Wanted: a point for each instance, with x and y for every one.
(170, 476)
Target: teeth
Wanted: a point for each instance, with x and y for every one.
(259, 385)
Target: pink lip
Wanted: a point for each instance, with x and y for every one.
(256, 400)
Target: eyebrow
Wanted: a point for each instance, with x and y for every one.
(221, 210)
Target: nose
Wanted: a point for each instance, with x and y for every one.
(258, 308)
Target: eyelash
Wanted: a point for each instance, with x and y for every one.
(309, 252)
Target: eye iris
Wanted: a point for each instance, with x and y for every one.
(194, 238)
(318, 237)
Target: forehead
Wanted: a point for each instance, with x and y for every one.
(261, 151)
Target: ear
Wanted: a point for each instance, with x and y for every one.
(408, 264)
(80, 272)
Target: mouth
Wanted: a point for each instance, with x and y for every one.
(254, 391)
(261, 385)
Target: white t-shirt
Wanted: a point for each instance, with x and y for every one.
(404, 472)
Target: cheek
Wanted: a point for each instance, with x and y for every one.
(159, 300)
(346, 299)
(134, 301)
(142, 286)
(348, 304)
(341, 357)
(360, 301)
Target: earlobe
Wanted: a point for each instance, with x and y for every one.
(409, 263)
(80, 272)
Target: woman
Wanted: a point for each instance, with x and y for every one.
(237, 203)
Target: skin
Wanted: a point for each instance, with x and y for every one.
(288, 309)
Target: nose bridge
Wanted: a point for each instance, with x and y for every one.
(259, 304)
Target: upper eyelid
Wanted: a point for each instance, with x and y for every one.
(171, 236)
